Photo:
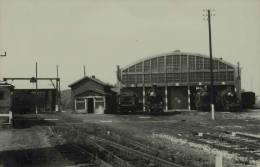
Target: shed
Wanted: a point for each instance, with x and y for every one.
(91, 95)
(6, 103)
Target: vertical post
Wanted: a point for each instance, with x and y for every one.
(188, 79)
(143, 98)
(211, 68)
(166, 98)
(84, 71)
(36, 98)
(57, 92)
(219, 162)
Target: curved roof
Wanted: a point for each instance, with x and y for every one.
(177, 53)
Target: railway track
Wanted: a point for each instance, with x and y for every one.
(225, 141)
(107, 152)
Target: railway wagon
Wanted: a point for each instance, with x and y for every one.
(247, 99)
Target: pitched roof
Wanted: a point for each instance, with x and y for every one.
(91, 78)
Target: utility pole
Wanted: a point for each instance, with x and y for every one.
(84, 71)
(36, 98)
(208, 15)
(57, 90)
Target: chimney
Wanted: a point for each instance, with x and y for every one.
(93, 76)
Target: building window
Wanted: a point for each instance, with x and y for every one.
(147, 66)
(230, 67)
(200, 77)
(216, 76)
(222, 76)
(161, 64)
(131, 79)
(139, 67)
(80, 104)
(207, 77)
(184, 63)
(139, 79)
(177, 78)
(154, 65)
(206, 64)
(215, 65)
(147, 78)
(193, 77)
(199, 63)
(176, 63)
(161, 78)
(125, 71)
(169, 78)
(125, 79)
(1, 95)
(230, 76)
(183, 77)
(222, 66)
(154, 78)
(169, 64)
(192, 63)
(132, 69)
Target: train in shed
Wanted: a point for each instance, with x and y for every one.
(129, 102)
(153, 101)
(226, 100)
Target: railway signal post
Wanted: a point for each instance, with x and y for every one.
(208, 15)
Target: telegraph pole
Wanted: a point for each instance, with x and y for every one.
(36, 98)
(208, 15)
(84, 71)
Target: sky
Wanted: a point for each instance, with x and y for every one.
(102, 34)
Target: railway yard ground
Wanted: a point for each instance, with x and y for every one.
(179, 138)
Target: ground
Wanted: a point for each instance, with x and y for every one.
(157, 131)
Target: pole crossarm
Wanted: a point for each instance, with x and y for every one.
(5, 79)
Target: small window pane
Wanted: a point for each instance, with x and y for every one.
(147, 66)
(139, 67)
(161, 64)
(154, 65)
(192, 62)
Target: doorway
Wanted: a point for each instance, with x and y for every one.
(90, 105)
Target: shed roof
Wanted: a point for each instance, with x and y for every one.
(91, 78)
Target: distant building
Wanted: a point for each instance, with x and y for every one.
(93, 96)
(177, 76)
(6, 103)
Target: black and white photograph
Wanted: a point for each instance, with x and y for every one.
(129, 83)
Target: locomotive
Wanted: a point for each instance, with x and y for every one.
(127, 101)
(153, 101)
(202, 100)
(227, 100)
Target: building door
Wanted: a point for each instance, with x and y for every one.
(90, 105)
(178, 98)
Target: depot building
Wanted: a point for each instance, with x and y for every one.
(178, 75)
